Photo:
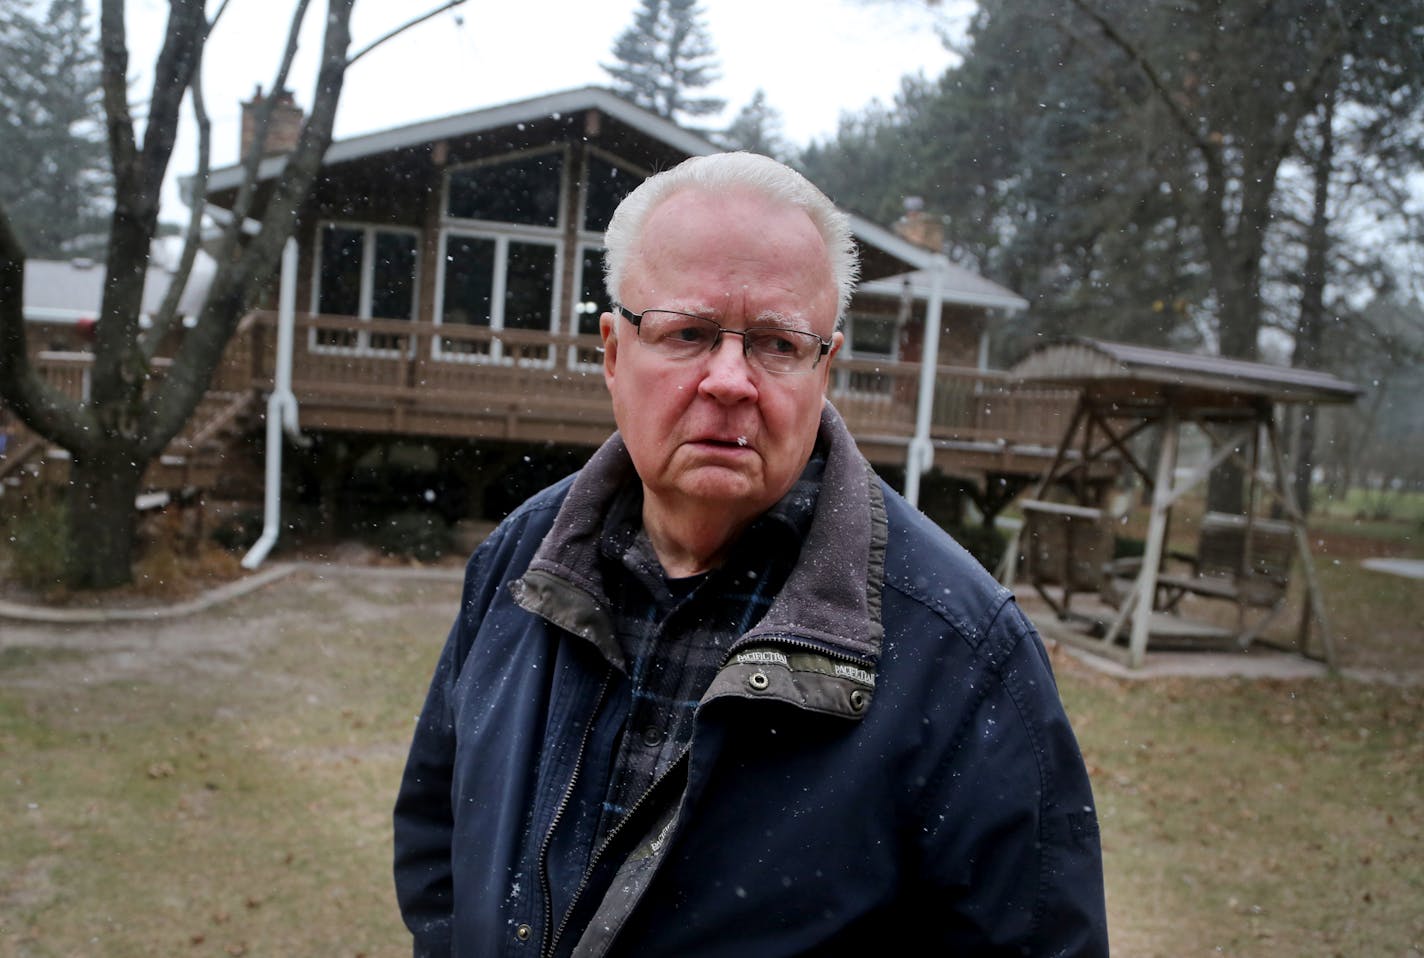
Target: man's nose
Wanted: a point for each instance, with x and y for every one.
(729, 374)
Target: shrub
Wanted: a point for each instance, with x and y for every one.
(38, 542)
(416, 534)
(238, 530)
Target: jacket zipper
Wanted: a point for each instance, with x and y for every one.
(608, 842)
(806, 644)
(550, 941)
(546, 946)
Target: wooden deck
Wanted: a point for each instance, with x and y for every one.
(419, 379)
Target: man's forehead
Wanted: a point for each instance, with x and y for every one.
(744, 214)
(691, 199)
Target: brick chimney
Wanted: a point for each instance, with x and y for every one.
(284, 128)
(920, 227)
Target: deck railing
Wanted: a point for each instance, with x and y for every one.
(437, 375)
(440, 366)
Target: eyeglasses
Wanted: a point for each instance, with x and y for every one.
(681, 336)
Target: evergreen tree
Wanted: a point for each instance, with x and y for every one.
(56, 183)
(757, 129)
(663, 58)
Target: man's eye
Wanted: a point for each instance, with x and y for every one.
(781, 344)
(689, 333)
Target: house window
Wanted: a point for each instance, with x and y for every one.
(368, 272)
(607, 186)
(500, 263)
(593, 301)
(589, 307)
(523, 190)
(869, 338)
(873, 337)
(499, 283)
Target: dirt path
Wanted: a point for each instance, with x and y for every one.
(215, 634)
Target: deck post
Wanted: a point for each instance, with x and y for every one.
(1146, 588)
(919, 456)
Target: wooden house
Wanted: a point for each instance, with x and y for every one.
(449, 286)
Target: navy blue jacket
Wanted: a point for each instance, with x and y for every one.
(882, 765)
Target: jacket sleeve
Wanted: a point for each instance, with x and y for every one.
(1013, 834)
(424, 819)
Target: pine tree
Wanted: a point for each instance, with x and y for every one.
(663, 58)
(56, 182)
(757, 129)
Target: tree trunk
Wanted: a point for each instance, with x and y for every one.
(1310, 327)
(103, 484)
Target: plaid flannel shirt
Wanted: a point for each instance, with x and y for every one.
(676, 634)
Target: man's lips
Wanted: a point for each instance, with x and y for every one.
(723, 442)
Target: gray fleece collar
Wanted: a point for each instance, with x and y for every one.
(831, 598)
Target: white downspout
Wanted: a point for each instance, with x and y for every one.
(919, 457)
(281, 410)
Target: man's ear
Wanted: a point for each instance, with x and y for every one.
(606, 324)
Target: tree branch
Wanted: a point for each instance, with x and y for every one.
(401, 29)
(192, 239)
(240, 278)
(173, 73)
(43, 408)
(1183, 120)
(114, 73)
(252, 161)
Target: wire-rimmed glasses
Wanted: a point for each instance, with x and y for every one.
(679, 336)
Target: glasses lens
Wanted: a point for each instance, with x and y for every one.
(783, 350)
(681, 336)
(677, 335)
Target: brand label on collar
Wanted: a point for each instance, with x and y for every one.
(763, 657)
(854, 673)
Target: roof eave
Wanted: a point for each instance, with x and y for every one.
(505, 114)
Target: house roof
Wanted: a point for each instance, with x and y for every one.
(1138, 373)
(529, 110)
(67, 291)
(960, 286)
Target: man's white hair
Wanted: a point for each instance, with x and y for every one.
(720, 173)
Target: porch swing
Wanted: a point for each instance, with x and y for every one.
(1243, 560)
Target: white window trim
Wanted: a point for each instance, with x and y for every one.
(849, 331)
(595, 236)
(368, 283)
(843, 375)
(498, 289)
(446, 220)
(572, 360)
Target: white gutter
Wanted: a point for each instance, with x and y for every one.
(919, 456)
(281, 410)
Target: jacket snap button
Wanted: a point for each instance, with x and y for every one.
(523, 932)
(652, 736)
(858, 700)
(758, 681)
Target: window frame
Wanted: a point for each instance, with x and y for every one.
(502, 233)
(369, 231)
(446, 219)
(498, 289)
(589, 240)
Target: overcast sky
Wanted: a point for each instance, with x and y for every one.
(815, 58)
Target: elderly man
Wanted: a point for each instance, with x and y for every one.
(723, 692)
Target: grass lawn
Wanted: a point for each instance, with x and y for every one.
(221, 784)
(218, 785)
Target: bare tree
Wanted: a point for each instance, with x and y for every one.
(131, 414)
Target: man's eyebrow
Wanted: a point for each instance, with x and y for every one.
(701, 312)
(780, 321)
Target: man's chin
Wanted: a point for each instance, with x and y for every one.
(720, 486)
